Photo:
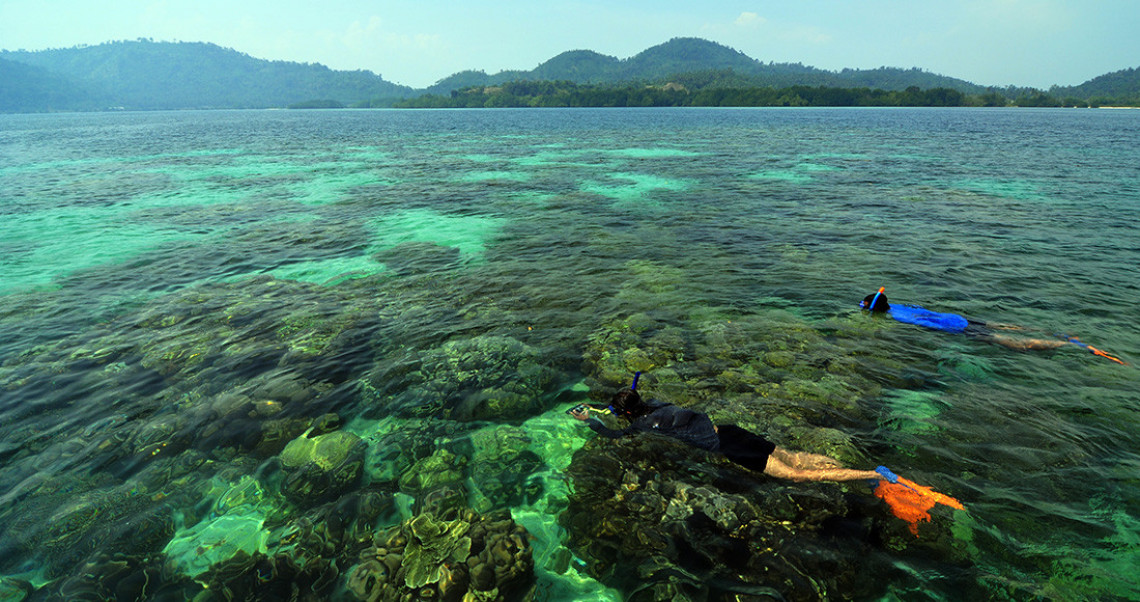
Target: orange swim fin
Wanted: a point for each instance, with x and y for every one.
(912, 502)
(1095, 351)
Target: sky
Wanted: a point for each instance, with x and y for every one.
(1036, 43)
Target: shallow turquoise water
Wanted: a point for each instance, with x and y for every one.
(137, 249)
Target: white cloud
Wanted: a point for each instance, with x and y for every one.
(749, 19)
(357, 36)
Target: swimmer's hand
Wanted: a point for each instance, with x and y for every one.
(579, 412)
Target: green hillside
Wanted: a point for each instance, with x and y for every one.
(1118, 87)
(26, 88)
(581, 66)
(164, 75)
(681, 57)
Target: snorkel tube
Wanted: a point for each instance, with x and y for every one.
(636, 375)
(875, 298)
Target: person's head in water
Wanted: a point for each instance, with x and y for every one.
(881, 304)
(627, 403)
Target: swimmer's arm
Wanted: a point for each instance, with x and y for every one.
(601, 429)
(596, 425)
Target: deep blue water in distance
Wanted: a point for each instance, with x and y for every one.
(153, 263)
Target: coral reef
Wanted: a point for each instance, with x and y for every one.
(219, 469)
(473, 557)
(479, 378)
(662, 521)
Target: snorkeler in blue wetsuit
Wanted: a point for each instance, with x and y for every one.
(946, 322)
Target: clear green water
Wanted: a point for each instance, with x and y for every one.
(162, 275)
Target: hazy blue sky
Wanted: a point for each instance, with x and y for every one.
(417, 42)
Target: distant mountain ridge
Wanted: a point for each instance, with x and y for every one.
(681, 56)
(147, 75)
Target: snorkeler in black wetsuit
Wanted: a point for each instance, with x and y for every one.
(737, 444)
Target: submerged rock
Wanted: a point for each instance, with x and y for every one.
(195, 550)
(323, 466)
(14, 590)
(441, 468)
(501, 464)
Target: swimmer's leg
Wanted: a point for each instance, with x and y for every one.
(999, 326)
(805, 460)
(1025, 344)
(780, 470)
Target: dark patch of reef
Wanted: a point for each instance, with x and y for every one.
(660, 521)
(470, 557)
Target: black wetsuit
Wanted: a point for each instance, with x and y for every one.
(695, 428)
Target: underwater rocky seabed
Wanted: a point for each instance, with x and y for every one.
(380, 416)
(231, 466)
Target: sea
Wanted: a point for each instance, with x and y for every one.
(190, 300)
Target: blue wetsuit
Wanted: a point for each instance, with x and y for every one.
(919, 316)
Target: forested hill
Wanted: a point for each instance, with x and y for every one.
(147, 75)
(1121, 87)
(27, 88)
(166, 75)
(693, 55)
